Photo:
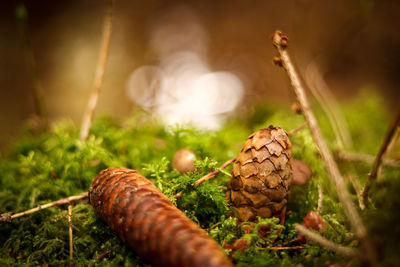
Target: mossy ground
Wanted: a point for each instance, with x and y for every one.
(42, 168)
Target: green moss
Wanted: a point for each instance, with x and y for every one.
(39, 169)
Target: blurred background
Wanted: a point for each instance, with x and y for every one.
(192, 61)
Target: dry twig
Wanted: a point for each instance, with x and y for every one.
(298, 129)
(71, 247)
(320, 199)
(215, 225)
(280, 42)
(356, 185)
(8, 217)
(286, 248)
(373, 175)
(38, 92)
(393, 142)
(102, 255)
(324, 96)
(214, 173)
(209, 175)
(344, 251)
(105, 44)
(357, 157)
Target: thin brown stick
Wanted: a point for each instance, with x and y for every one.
(214, 173)
(357, 157)
(320, 199)
(38, 92)
(215, 225)
(344, 251)
(324, 96)
(282, 218)
(210, 175)
(325, 153)
(102, 255)
(287, 248)
(373, 175)
(71, 247)
(356, 185)
(392, 144)
(98, 81)
(8, 217)
(298, 129)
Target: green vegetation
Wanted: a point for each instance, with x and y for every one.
(39, 169)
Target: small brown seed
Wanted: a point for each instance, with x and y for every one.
(296, 108)
(302, 173)
(284, 43)
(277, 61)
(183, 160)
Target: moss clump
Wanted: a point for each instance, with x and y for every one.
(43, 168)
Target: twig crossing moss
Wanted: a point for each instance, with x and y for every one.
(344, 251)
(8, 217)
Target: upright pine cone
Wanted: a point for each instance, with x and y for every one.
(261, 175)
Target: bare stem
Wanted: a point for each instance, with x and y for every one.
(286, 248)
(210, 175)
(71, 247)
(344, 251)
(102, 255)
(373, 175)
(98, 81)
(38, 92)
(325, 153)
(356, 185)
(8, 217)
(357, 157)
(298, 129)
(320, 199)
(324, 96)
(214, 173)
(392, 143)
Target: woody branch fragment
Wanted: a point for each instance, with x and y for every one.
(98, 80)
(8, 217)
(280, 42)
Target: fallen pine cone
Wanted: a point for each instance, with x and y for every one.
(148, 222)
(262, 175)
